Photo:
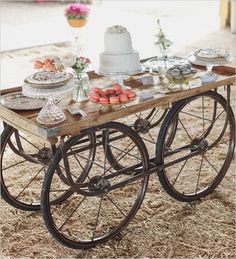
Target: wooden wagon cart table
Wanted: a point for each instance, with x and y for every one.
(89, 175)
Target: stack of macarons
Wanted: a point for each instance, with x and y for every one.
(112, 96)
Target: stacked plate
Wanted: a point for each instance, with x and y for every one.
(207, 56)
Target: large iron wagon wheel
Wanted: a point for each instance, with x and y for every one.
(24, 160)
(100, 206)
(202, 149)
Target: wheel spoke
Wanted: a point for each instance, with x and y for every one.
(223, 142)
(93, 162)
(181, 169)
(29, 183)
(151, 137)
(212, 124)
(199, 172)
(211, 164)
(14, 165)
(148, 140)
(121, 157)
(111, 200)
(154, 115)
(76, 158)
(185, 129)
(78, 163)
(97, 217)
(105, 151)
(29, 142)
(71, 214)
(194, 115)
(122, 151)
(203, 118)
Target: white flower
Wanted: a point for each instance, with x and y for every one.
(69, 59)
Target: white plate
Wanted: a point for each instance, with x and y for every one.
(192, 59)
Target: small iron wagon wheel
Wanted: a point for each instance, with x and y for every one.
(202, 149)
(103, 200)
(24, 160)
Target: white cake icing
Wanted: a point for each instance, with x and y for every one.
(118, 55)
(119, 63)
(117, 40)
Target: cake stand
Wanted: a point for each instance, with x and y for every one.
(51, 113)
(209, 76)
(121, 75)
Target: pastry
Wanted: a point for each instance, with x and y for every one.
(114, 100)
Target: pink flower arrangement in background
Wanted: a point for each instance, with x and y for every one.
(70, 60)
(77, 11)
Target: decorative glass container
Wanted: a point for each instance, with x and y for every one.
(51, 112)
(163, 59)
(81, 87)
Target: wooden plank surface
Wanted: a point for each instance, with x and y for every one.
(26, 120)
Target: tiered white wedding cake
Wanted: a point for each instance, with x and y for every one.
(119, 56)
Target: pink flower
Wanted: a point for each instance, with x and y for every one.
(77, 10)
(85, 60)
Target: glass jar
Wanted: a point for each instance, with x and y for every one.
(81, 87)
(162, 59)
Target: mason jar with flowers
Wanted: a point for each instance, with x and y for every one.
(77, 14)
(79, 66)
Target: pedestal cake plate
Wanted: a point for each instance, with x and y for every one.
(210, 58)
(51, 86)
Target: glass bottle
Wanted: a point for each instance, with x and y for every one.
(81, 87)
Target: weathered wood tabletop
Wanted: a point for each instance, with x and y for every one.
(26, 120)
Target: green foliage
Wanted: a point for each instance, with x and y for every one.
(162, 42)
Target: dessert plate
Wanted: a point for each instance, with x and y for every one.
(201, 62)
(48, 80)
(17, 101)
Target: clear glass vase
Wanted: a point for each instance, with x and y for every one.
(162, 59)
(81, 87)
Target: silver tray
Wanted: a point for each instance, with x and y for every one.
(17, 101)
(155, 63)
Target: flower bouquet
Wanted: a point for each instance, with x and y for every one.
(162, 42)
(77, 14)
(164, 47)
(79, 65)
